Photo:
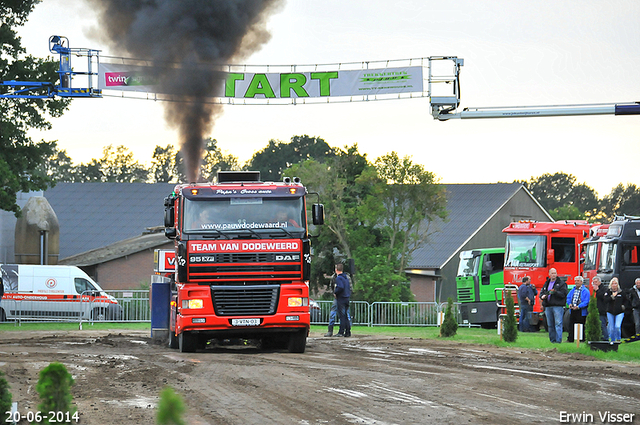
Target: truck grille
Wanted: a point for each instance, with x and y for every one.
(248, 267)
(245, 300)
(465, 295)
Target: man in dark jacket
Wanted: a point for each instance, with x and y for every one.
(526, 298)
(554, 296)
(600, 289)
(342, 293)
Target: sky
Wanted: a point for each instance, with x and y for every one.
(515, 53)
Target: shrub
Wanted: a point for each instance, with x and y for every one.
(5, 395)
(170, 408)
(593, 330)
(54, 388)
(510, 332)
(449, 325)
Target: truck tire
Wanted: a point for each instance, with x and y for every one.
(173, 339)
(99, 315)
(187, 342)
(298, 341)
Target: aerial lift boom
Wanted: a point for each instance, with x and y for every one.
(444, 105)
(44, 90)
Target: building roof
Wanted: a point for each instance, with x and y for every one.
(118, 249)
(469, 207)
(94, 215)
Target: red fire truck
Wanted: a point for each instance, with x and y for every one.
(242, 261)
(532, 248)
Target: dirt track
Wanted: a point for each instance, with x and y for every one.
(360, 380)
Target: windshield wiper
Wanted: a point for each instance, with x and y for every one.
(284, 230)
(218, 232)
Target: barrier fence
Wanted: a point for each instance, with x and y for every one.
(134, 306)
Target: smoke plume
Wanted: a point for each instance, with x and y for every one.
(183, 38)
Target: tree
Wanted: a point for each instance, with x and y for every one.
(510, 332)
(163, 165)
(622, 200)
(449, 326)
(54, 388)
(20, 157)
(558, 192)
(58, 166)
(593, 329)
(214, 160)
(118, 165)
(277, 156)
(412, 200)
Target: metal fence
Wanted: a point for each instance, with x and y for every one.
(135, 307)
(390, 313)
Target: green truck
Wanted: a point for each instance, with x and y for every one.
(480, 272)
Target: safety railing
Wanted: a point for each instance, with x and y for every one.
(389, 313)
(134, 306)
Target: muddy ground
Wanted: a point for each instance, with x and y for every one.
(359, 380)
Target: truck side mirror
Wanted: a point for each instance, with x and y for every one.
(551, 256)
(317, 213)
(169, 217)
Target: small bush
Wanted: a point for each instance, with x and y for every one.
(5, 395)
(593, 327)
(449, 325)
(170, 408)
(54, 388)
(510, 332)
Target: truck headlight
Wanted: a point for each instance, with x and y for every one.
(298, 301)
(193, 303)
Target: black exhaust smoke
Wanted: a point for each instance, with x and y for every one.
(184, 38)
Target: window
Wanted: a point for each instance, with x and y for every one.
(590, 256)
(607, 257)
(83, 285)
(564, 249)
(468, 265)
(630, 255)
(237, 214)
(525, 251)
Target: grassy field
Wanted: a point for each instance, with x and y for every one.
(531, 341)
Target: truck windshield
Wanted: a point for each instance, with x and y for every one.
(525, 251)
(468, 264)
(590, 256)
(607, 257)
(283, 216)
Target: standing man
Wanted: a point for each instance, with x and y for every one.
(334, 306)
(554, 296)
(634, 297)
(342, 294)
(578, 300)
(526, 298)
(600, 289)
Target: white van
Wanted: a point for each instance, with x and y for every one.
(53, 292)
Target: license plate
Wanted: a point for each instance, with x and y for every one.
(245, 322)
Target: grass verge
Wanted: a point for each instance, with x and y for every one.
(530, 341)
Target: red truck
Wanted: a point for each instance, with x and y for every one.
(532, 248)
(242, 261)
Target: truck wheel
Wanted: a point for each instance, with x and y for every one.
(173, 339)
(298, 341)
(99, 315)
(187, 342)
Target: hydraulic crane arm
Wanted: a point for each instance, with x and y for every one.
(40, 90)
(444, 105)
